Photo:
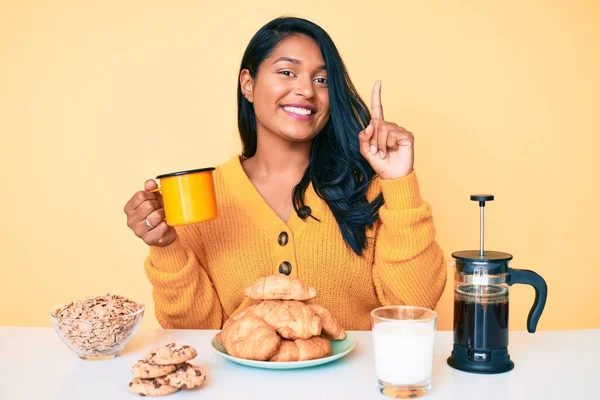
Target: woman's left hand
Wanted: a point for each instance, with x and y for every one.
(386, 146)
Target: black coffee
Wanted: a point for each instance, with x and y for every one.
(481, 322)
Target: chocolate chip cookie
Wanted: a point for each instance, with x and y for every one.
(171, 354)
(151, 387)
(186, 376)
(143, 369)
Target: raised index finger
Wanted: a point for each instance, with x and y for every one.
(376, 107)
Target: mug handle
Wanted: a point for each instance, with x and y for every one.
(154, 191)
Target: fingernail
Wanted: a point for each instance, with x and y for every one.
(373, 149)
(382, 154)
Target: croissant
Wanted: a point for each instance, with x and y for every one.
(316, 347)
(301, 349)
(287, 351)
(280, 287)
(291, 319)
(331, 327)
(239, 315)
(250, 338)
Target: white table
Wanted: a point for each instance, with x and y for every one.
(35, 364)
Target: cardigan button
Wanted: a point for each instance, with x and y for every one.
(285, 268)
(283, 238)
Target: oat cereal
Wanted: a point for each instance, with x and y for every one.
(99, 325)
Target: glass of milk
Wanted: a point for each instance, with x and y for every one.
(403, 338)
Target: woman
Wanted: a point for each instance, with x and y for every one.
(324, 191)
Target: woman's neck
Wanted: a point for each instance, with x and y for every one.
(275, 169)
(277, 158)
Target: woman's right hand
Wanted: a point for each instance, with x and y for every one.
(146, 217)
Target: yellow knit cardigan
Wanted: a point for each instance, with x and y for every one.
(198, 280)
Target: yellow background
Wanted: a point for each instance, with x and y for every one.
(97, 96)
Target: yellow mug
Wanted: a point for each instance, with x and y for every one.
(188, 196)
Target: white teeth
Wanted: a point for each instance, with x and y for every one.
(298, 110)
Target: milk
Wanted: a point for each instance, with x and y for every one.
(403, 351)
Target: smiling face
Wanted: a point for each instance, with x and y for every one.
(290, 96)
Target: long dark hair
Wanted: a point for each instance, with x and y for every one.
(339, 173)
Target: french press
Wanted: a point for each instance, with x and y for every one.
(481, 286)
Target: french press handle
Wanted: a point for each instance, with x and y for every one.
(527, 277)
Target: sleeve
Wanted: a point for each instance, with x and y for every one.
(408, 266)
(184, 296)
